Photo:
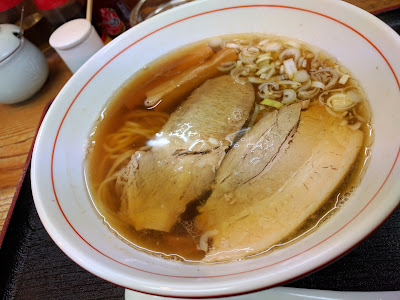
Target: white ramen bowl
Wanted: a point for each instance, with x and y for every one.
(368, 47)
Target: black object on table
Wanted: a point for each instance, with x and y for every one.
(392, 18)
(33, 267)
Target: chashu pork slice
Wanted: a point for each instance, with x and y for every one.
(310, 165)
(156, 185)
(253, 153)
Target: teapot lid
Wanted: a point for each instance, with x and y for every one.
(9, 42)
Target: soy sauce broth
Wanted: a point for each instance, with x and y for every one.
(182, 243)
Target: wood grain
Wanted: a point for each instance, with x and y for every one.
(18, 123)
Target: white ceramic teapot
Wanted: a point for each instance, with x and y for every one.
(23, 68)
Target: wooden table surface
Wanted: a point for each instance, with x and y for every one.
(19, 122)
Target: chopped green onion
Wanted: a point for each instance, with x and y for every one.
(340, 102)
(344, 79)
(272, 103)
(263, 57)
(255, 80)
(289, 96)
(317, 84)
(301, 76)
(290, 67)
(227, 66)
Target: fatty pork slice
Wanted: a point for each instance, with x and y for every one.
(257, 149)
(157, 184)
(253, 216)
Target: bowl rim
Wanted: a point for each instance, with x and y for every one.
(36, 196)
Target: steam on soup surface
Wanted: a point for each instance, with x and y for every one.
(228, 148)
